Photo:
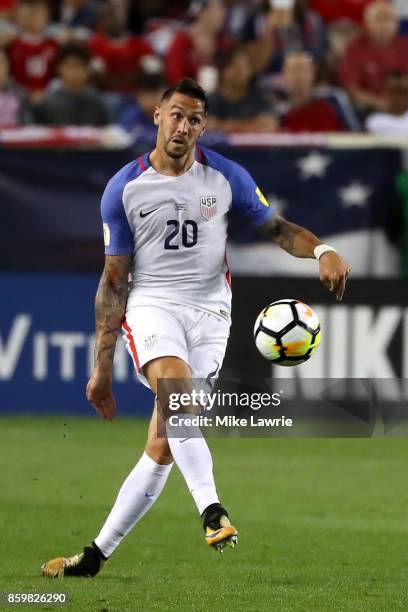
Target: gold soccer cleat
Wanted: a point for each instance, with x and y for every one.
(86, 564)
(218, 529)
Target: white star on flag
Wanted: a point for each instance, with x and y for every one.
(355, 194)
(314, 164)
(277, 203)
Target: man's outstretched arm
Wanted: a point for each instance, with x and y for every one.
(300, 242)
(110, 307)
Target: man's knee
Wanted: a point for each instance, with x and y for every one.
(166, 367)
(158, 449)
(169, 377)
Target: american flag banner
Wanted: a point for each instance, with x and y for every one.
(330, 191)
(346, 196)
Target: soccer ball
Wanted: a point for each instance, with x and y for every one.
(287, 332)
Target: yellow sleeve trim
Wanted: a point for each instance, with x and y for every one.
(261, 197)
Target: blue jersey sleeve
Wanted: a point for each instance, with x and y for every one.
(117, 234)
(247, 198)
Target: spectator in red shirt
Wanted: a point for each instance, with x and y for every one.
(116, 53)
(305, 110)
(32, 53)
(370, 57)
(197, 45)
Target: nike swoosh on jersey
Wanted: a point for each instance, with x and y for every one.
(144, 214)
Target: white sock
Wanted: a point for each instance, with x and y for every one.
(193, 458)
(136, 496)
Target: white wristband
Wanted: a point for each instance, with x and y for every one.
(322, 249)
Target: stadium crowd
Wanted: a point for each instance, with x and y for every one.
(268, 65)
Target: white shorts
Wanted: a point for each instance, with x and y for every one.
(162, 329)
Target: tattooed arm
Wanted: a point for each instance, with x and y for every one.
(294, 239)
(110, 306)
(300, 242)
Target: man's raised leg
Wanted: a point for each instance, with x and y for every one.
(193, 457)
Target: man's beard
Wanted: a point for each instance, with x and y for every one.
(175, 154)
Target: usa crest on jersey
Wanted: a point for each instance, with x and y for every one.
(208, 206)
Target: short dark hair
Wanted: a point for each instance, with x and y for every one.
(187, 87)
(74, 50)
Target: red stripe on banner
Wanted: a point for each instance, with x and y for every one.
(142, 164)
(199, 155)
(131, 343)
(227, 273)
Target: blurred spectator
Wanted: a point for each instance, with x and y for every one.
(335, 10)
(136, 115)
(307, 109)
(117, 55)
(13, 103)
(78, 13)
(372, 55)
(196, 46)
(32, 53)
(394, 119)
(281, 26)
(237, 106)
(73, 103)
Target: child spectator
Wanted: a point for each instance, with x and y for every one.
(32, 53)
(117, 55)
(13, 103)
(372, 55)
(73, 103)
(237, 106)
(306, 110)
(394, 120)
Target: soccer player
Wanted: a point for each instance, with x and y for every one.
(165, 222)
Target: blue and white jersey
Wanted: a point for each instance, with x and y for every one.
(176, 228)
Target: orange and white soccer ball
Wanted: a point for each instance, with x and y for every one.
(287, 332)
